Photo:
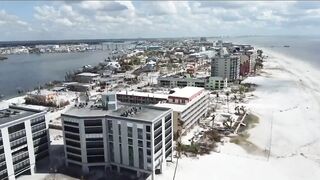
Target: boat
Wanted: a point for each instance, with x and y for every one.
(286, 46)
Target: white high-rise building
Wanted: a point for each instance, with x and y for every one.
(122, 138)
(23, 141)
(225, 65)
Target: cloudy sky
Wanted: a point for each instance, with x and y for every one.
(38, 20)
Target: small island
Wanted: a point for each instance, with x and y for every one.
(3, 58)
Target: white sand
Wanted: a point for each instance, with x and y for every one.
(288, 105)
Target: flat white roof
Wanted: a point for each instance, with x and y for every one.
(42, 92)
(180, 107)
(186, 92)
(144, 94)
(88, 74)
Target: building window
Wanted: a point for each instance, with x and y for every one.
(111, 152)
(120, 148)
(141, 158)
(110, 127)
(140, 143)
(130, 142)
(129, 131)
(130, 156)
(92, 123)
(140, 133)
(119, 129)
(110, 137)
(148, 128)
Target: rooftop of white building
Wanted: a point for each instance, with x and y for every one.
(14, 113)
(88, 74)
(123, 111)
(186, 92)
(144, 94)
(42, 92)
(181, 107)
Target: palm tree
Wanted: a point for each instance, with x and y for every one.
(179, 143)
(227, 94)
(242, 90)
(237, 109)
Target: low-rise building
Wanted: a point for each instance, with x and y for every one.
(140, 97)
(86, 77)
(79, 87)
(189, 105)
(122, 138)
(24, 141)
(173, 81)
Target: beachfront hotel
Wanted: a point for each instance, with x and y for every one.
(173, 81)
(107, 135)
(225, 65)
(23, 141)
(189, 105)
(140, 97)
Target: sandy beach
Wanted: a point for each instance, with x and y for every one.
(287, 101)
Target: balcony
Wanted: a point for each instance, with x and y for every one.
(19, 142)
(72, 136)
(40, 141)
(2, 158)
(17, 135)
(37, 121)
(39, 134)
(71, 129)
(41, 148)
(20, 157)
(21, 166)
(93, 130)
(38, 127)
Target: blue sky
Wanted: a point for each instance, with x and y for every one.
(36, 20)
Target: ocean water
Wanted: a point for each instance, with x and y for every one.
(305, 48)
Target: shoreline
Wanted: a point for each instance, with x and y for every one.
(288, 107)
(12, 91)
(287, 96)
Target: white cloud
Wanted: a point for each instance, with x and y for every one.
(121, 19)
(12, 27)
(64, 15)
(11, 20)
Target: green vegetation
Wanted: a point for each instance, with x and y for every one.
(205, 145)
(41, 100)
(248, 87)
(193, 148)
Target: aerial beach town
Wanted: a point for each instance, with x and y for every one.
(103, 97)
(189, 111)
(145, 112)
